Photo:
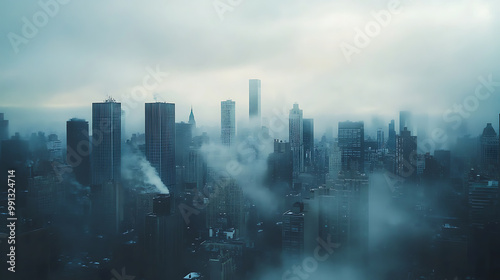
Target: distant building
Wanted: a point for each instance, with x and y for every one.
(78, 149)
(280, 164)
(405, 120)
(308, 138)
(391, 140)
(225, 209)
(483, 202)
(54, 147)
(228, 122)
(334, 163)
(106, 142)
(192, 121)
(406, 155)
(489, 149)
(183, 137)
(380, 139)
(296, 139)
(351, 143)
(4, 128)
(160, 141)
(254, 101)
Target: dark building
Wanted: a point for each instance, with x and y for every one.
(308, 131)
(163, 239)
(405, 120)
(192, 121)
(160, 141)
(406, 155)
(183, 137)
(280, 164)
(106, 142)
(78, 149)
(391, 140)
(443, 157)
(254, 101)
(228, 122)
(489, 149)
(296, 139)
(380, 139)
(351, 143)
(4, 128)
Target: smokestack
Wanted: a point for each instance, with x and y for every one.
(161, 205)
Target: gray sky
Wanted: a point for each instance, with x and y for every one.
(427, 58)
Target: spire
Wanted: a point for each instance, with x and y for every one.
(191, 118)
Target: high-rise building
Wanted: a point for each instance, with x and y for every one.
(106, 142)
(406, 155)
(78, 149)
(334, 163)
(160, 141)
(280, 164)
(405, 120)
(489, 148)
(225, 209)
(351, 143)
(4, 128)
(391, 141)
(228, 122)
(183, 137)
(192, 121)
(254, 101)
(54, 147)
(308, 138)
(380, 139)
(296, 139)
(163, 239)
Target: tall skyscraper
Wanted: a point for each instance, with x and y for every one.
(405, 121)
(192, 121)
(228, 122)
(334, 163)
(406, 155)
(183, 137)
(391, 141)
(351, 143)
(4, 128)
(308, 138)
(78, 149)
(380, 139)
(280, 164)
(160, 140)
(489, 148)
(296, 139)
(106, 142)
(254, 101)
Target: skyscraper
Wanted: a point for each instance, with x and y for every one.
(254, 100)
(280, 164)
(106, 141)
(296, 139)
(308, 138)
(405, 121)
(4, 128)
(406, 155)
(489, 148)
(192, 121)
(391, 141)
(351, 143)
(380, 139)
(78, 149)
(160, 140)
(183, 137)
(228, 122)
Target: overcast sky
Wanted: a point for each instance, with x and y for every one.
(427, 58)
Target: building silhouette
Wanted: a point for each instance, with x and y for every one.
(78, 149)
(280, 164)
(4, 128)
(183, 137)
(254, 108)
(296, 139)
(308, 138)
(160, 141)
(391, 140)
(106, 142)
(192, 121)
(351, 143)
(405, 120)
(406, 155)
(489, 149)
(228, 122)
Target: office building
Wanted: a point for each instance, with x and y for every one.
(254, 101)
(351, 143)
(406, 155)
(296, 139)
(308, 138)
(228, 122)
(78, 149)
(160, 141)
